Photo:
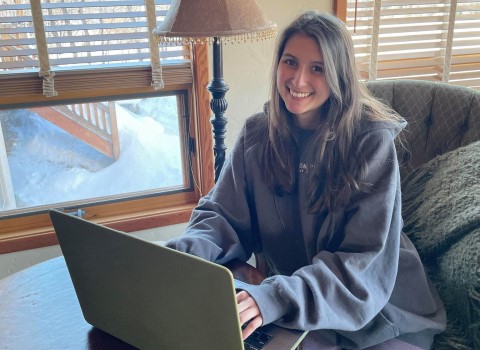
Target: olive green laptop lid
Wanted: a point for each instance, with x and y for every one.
(151, 296)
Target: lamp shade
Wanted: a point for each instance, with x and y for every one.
(200, 20)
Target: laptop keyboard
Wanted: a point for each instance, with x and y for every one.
(256, 340)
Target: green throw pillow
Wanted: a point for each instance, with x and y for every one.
(441, 200)
(457, 278)
(441, 212)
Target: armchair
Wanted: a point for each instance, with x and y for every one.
(440, 172)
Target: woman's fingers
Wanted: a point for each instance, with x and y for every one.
(242, 300)
(251, 326)
(249, 313)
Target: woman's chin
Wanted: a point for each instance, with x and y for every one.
(295, 109)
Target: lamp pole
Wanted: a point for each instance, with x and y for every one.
(218, 88)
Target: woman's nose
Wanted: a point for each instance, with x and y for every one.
(300, 76)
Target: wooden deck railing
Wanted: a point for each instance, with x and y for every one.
(93, 123)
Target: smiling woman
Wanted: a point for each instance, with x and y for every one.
(321, 206)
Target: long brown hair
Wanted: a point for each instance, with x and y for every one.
(336, 172)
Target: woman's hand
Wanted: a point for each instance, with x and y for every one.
(249, 313)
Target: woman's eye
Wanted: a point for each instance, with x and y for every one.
(290, 62)
(318, 69)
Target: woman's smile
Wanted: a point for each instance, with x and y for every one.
(300, 94)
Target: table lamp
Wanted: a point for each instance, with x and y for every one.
(215, 22)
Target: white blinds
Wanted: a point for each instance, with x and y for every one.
(417, 39)
(87, 37)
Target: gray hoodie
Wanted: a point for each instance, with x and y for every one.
(352, 273)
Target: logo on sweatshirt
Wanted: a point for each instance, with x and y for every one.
(305, 167)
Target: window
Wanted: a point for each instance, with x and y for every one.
(92, 123)
(430, 39)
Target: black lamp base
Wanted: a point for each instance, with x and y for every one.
(218, 105)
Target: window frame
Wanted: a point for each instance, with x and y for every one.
(340, 9)
(28, 231)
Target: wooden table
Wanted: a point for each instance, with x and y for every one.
(39, 310)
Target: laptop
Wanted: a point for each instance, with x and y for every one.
(154, 297)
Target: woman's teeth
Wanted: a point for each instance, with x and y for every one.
(300, 94)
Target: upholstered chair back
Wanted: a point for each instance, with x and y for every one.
(441, 117)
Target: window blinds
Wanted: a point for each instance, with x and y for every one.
(75, 45)
(417, 39)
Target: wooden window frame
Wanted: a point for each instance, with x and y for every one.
(340, 9)
(33, 231)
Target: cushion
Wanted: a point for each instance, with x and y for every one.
(441, 211)
(441, 200)
(457, 278)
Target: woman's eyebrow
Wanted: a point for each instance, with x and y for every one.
(289, 55)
